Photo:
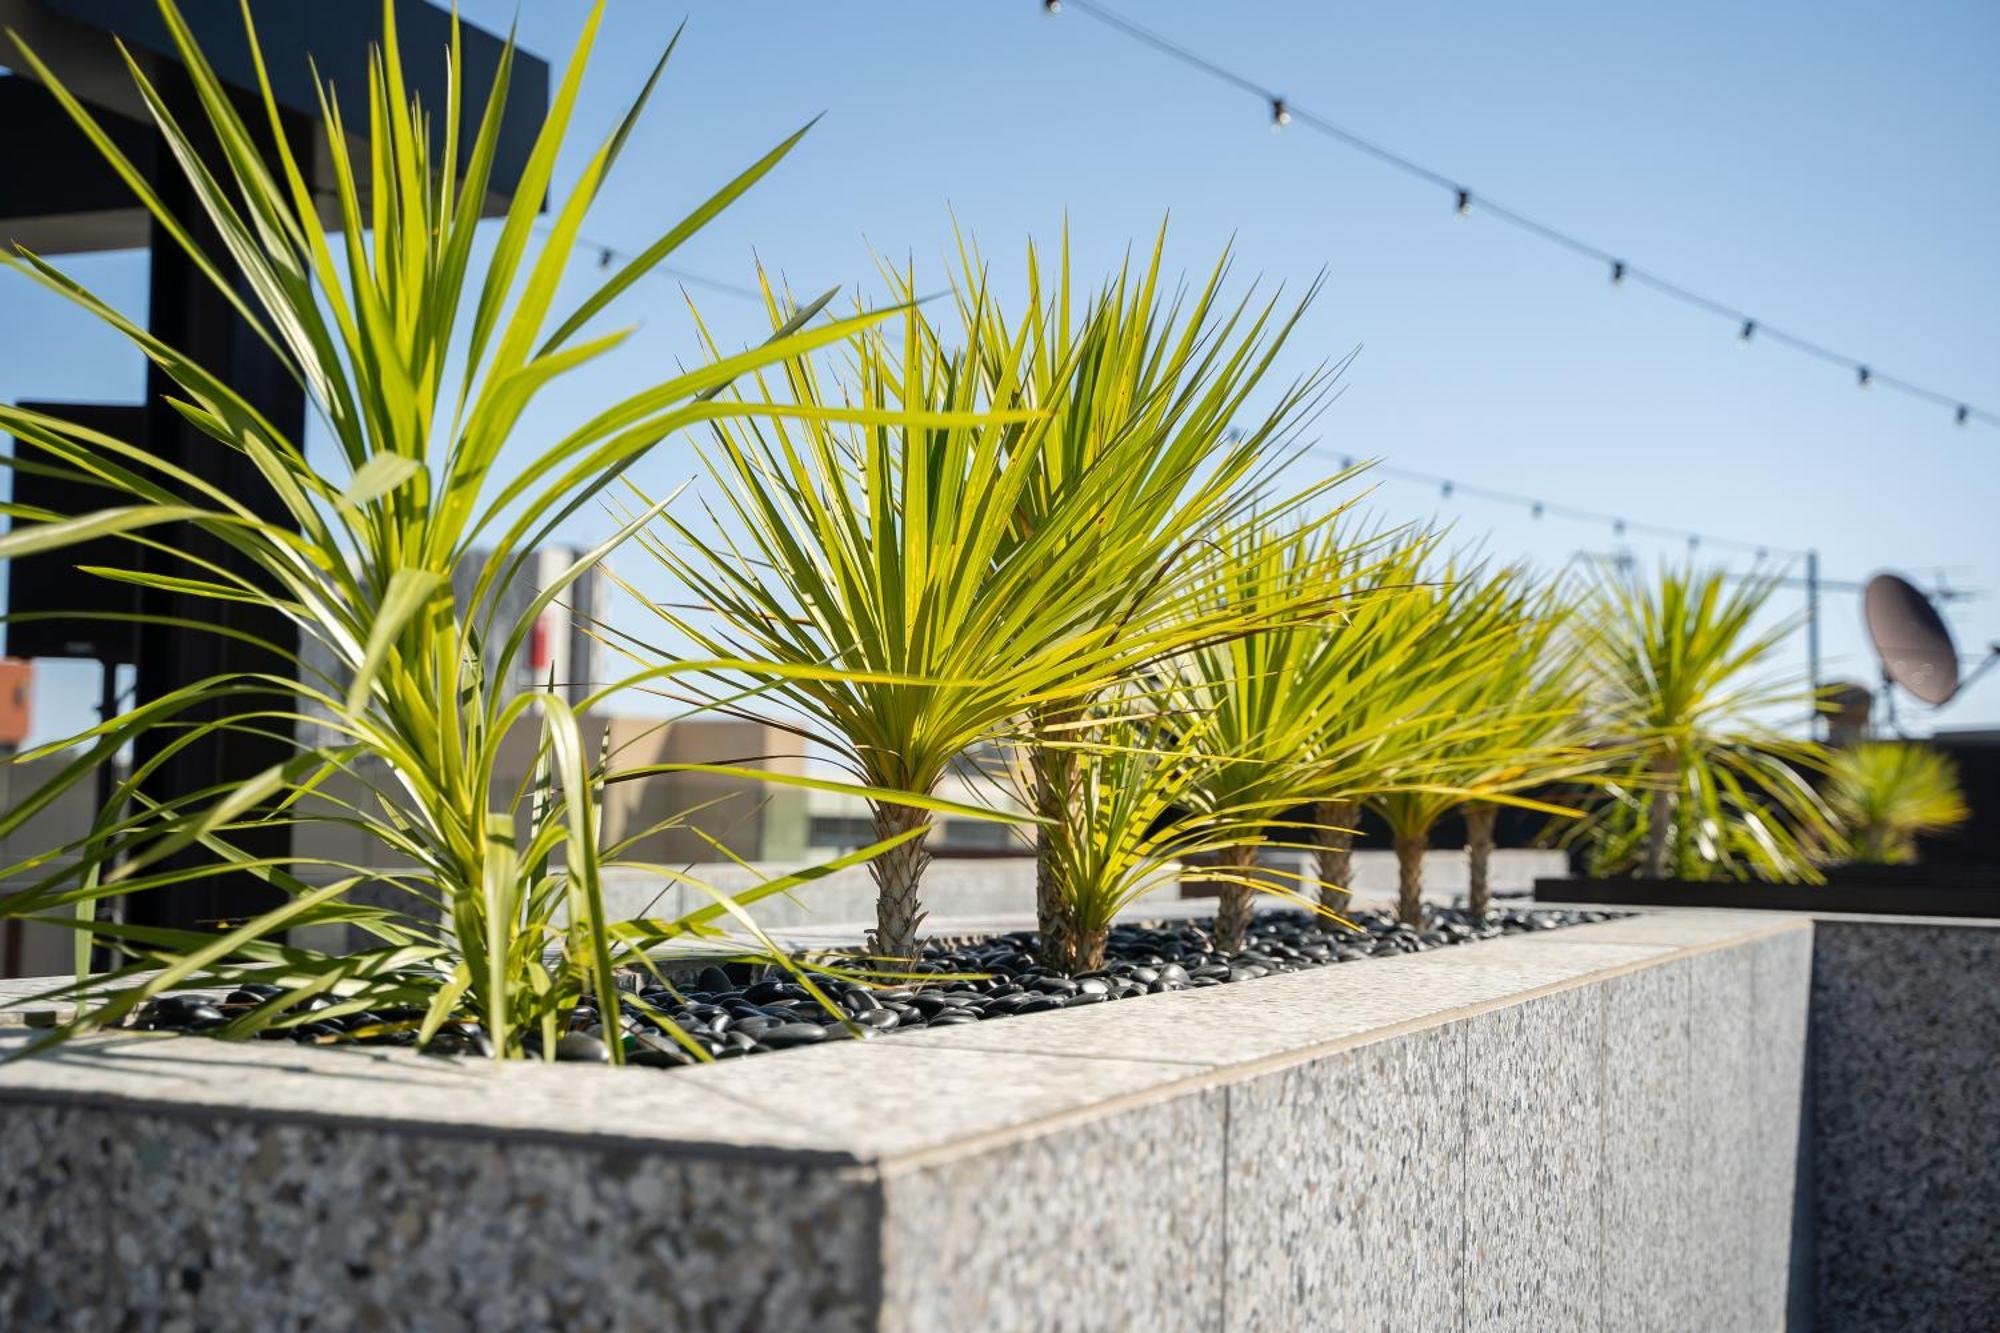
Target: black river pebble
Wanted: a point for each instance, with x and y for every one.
(734, 1012)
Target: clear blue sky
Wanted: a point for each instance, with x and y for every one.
(1833, 167)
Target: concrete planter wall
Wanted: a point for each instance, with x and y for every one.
(1906, 1124)
(1598, 1128)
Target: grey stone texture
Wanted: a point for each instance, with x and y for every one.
(1720, 1111)
(1584, 1129)
(1100, 1223)
(51, 1219)
(1347, 1189)
(1780, 1286)
(1645, 1221)
(1906, 1134)
(1535, 1130)
(224, 1224)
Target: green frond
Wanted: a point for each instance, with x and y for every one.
(977, 529)
(1705, 784)
(1887, 794)
(421, 365)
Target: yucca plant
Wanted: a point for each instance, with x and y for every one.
(1506, 727)
(420, 357)
(1286, 724)
(902, 554)
(1680, 678)
(1542, 724)
(1887, 794)
(1379, 568)
(1143, 392)
(1124, 831)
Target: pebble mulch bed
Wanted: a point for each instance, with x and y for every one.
(730, 1014)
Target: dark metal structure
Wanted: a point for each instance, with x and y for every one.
(88, 618)
(1967, 889)
(70, 202)
(67, 201)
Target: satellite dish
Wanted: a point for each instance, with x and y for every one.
(1911, 639)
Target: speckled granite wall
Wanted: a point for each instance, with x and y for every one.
(1114, 1222)
(151, 1222)
(1577, 1130)
(1615, 1158)
(1906, 1095)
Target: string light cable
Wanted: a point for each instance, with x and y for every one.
(607, 254)
(1285, 112)
(1449, 488)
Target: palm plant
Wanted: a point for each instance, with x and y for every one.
(1124, 831)
(1380, 623)
(1680, 681)
(1541, 724)
(1287, 721)
(1141, 391)
(1887, 794)
(897, 555)
(1505, 728)
(420, 362)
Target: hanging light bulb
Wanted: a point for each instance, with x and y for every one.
(1962, 413)
(1464, 202)
(1281, 115)
(1862, 377)
(1617, 271)
(1052, 6)
(1749, 330)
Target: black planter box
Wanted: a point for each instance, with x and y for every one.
(1875, 890)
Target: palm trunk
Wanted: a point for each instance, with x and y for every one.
(1336, 852)
(1067, 944)
(1659, 822)
(1479, 821)
(899, 873)
(1051, 921)
(1070, 948)
(1410, 851)
(1054, 774)
(1232, 910)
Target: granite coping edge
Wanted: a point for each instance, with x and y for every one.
(1161, 1080)
(1884, 919)
(580, 1139)
(1212, 1076)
